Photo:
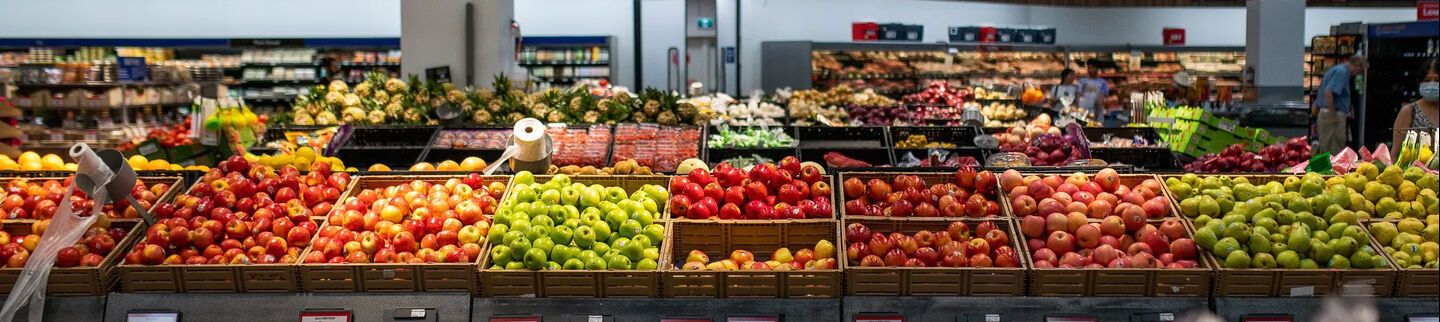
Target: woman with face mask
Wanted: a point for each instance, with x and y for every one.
(1423, 113)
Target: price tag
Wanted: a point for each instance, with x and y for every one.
(878, 318)
(147, 149)
(325, 316)
(752, 319)
(1167, 316)
(595, 318)
(684, 320)
(1302, 291)
(1423, 318)
(992, 317)
(1071, 319)
(90, 136)
(152, 316)
(56, 136)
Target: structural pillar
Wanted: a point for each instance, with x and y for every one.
(1275, 48)
(471, 37)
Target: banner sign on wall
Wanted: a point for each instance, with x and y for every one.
(1173, 36)
(1427, 10)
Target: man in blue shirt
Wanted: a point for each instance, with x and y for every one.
(1333, 104)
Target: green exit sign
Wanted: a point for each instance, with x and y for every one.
(705, 23)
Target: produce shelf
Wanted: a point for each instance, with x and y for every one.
(97, 280)
(760, 238)
(936, 281)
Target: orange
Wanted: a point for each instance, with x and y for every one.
(422, 166)
(52, 162)
(448, 165)
(469, 164)
(379, 167)
(31, 165)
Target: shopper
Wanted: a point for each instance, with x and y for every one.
(1066, 90)
(1332, 105)
(1423, 113)
(1093, 91)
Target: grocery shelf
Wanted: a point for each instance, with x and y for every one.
(281, 64)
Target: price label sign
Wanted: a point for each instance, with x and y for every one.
(878, 318)
(685, 320)
(752, 319)
(326, 316)
(1423, 318)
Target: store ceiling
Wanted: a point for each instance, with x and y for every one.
(1202, 3)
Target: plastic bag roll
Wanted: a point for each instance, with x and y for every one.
(530, 139)
(89, 163)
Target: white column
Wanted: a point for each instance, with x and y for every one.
(433, 34)
(1275, 47)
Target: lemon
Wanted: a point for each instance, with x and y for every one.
(175, 167)
(302, 163)
(305, 152)
(52, 162)
(137, 162)
(378, 167)
(29, 156)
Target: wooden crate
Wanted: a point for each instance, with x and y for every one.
(390, 277)
(1253, 282)
(1125, 179)
(579, 283)
(761, 238)
(1123, 282)
(253, 278)
(74, 280)
(1408, 282)
(936, 281)
(165, 196)
(828, 179)
(930, 178)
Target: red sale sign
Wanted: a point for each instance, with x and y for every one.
(1173, 36)
(1427, 10)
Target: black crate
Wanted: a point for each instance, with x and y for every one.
(1047, 35)
(391, 136)
(1149, 159)
(394, 157)
(961, 136)
(965, 34)
(973, 152)
(435, 155)
(714, 156)
(1099, 134)
(876, 157)
(862, 137)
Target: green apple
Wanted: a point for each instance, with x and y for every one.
(569, 195)
(573, 264)
(542, 221)
(602, 230)
(615, 194)
(601, 247)
(1237, 259)
(497, 233)
(561, 235)
(650, 205)
(537, 232)
(590, 215)
(646, 264)
(560, 253)
(634, 250)
(519, 245)
(572, 223)
(584, 236)
(561, 179)
(638, 195)
(643, 241)
(629, 206)
(1262, 260)
(618, 262)
(586, 255)
(535, 259)
(596, 264)
(589, 197)
(656, 192)
(524, 194)
(616, 217)
(654, 231)
(515, 265)
(524, 177)
(543, 243)
(519, 227)
(501, 255)
(512, 236)
(502, 216)
(571, 212)
(644, 217)
(629, 228)
(652, 253)
(550, 197)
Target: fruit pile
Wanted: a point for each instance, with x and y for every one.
(1081, 197)
(89, 251)
(31, 161)
(766, 191)
(919, 141)
(971, 194)
(1047, 149)
(1018, 135)
(622, 168)
(139, 162)
(240, 213)
(1072, 241)
(540, 226)
(1296, 224)
(822, 257)
(1411, 242)
(956, 246)
(470, 164)
(660, 147)
(413, 222)
(27, 199)
(1234, 159)
(301, 158)
(938, 94)
(1392, 194)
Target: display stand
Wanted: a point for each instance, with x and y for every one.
(284, 306)
(1302, 308)
(656, 309)
(71, 308)
(923, 308)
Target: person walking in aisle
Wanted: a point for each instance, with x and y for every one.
(1332, 105)
(1093, 91)
(1423, 113)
